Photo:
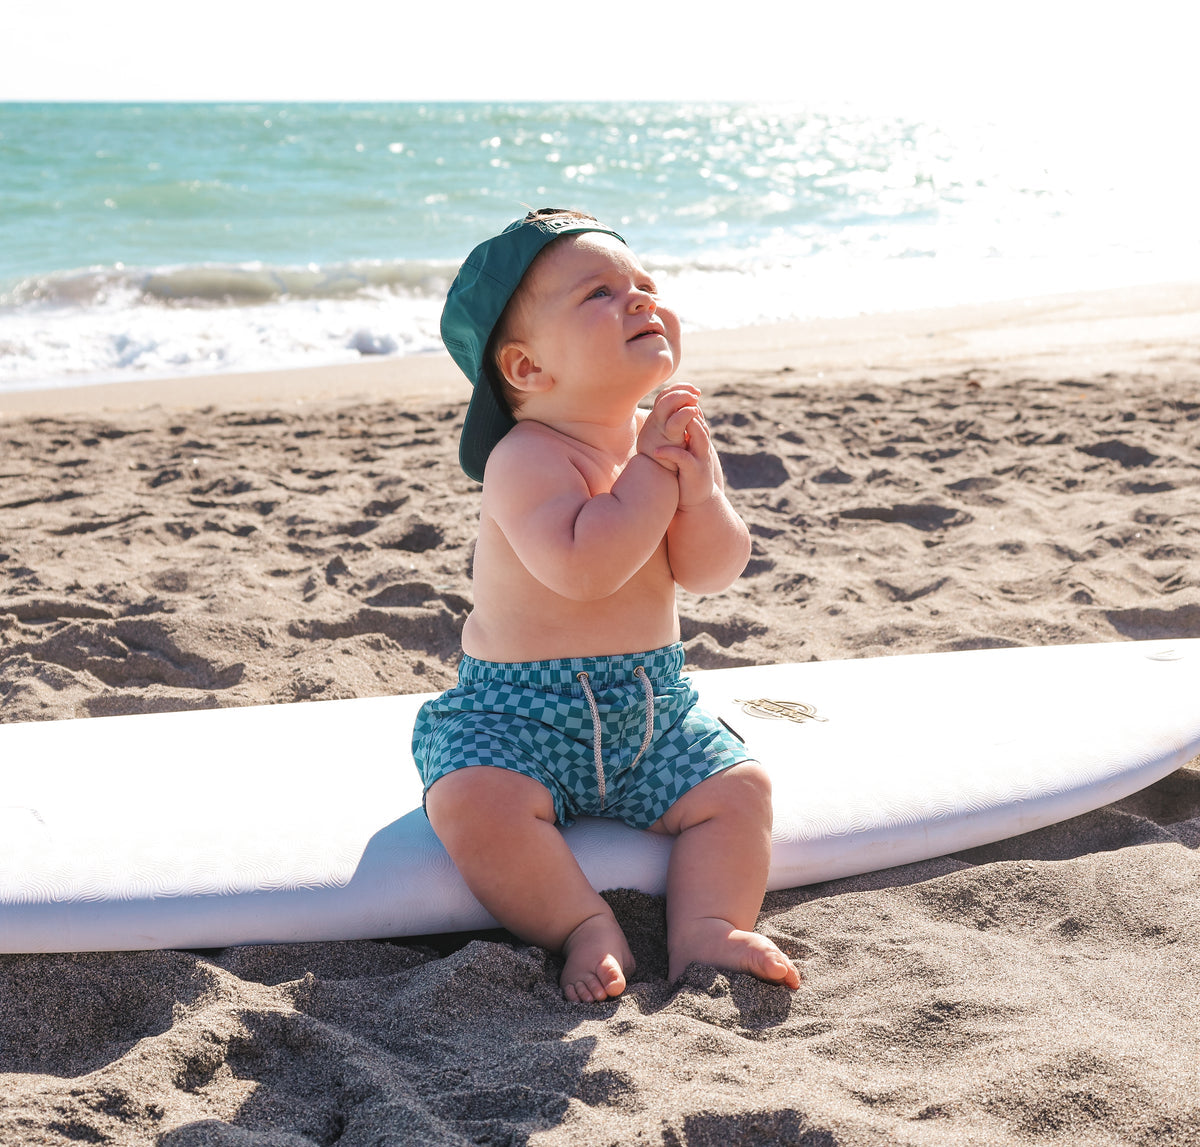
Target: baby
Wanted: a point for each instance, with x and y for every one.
(571, 699)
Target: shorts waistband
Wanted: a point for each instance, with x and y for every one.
(614, 669)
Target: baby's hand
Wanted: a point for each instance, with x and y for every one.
(696, 462)
(666, 427)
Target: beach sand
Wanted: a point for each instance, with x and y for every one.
(1014, 474)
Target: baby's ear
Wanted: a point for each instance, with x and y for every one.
(516, 363)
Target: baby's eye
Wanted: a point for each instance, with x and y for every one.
(599, 293)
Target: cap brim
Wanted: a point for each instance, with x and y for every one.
(488, 422)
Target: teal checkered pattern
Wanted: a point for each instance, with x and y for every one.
(533, 718)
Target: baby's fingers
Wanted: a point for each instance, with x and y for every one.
(679, 388)
(674, 458)
(676, 427)
(675, 397)
(698, 431)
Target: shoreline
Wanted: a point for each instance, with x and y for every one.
(1130, 326)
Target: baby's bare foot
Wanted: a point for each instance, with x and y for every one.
(597, 958)
(718, 943)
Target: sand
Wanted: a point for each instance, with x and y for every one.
(1016, 474)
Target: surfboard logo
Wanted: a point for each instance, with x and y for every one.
(797, 711)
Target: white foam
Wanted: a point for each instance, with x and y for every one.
(121, 339)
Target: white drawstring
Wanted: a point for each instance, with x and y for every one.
(648, 689)
(582, 678)
(597, 746)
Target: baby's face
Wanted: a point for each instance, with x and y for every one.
(593, 315)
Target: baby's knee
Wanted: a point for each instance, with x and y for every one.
(742, 791)
(484, 791)
(748, 784)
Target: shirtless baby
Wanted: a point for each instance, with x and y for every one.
(571, 699)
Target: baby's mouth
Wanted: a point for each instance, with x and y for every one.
(648, 332)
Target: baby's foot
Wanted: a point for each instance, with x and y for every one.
(597, 957)
(718, 943)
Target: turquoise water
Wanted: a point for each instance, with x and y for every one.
(184, 183)
(159, 238)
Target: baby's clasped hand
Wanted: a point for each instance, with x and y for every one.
(685, 445)
(665, 432)
(698, 465)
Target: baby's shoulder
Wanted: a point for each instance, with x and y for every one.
(528, 443)
(529, 451)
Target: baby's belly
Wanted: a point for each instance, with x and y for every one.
(579, 629)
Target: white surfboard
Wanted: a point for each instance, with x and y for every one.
(303, 822)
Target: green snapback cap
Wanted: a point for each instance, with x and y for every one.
(474, 304)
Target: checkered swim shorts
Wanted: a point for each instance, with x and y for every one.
(619, 736)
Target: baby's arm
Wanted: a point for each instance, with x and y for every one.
(581, 546)
(708, 545)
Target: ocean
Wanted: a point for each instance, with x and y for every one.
(151, 240)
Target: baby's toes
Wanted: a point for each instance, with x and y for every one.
(610, 977)
(587, 990)
(775, 967)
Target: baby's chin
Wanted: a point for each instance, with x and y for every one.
(665, 368)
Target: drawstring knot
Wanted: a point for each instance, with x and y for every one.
(597, 746)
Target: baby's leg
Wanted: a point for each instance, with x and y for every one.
(718, 875)
(498, 827)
